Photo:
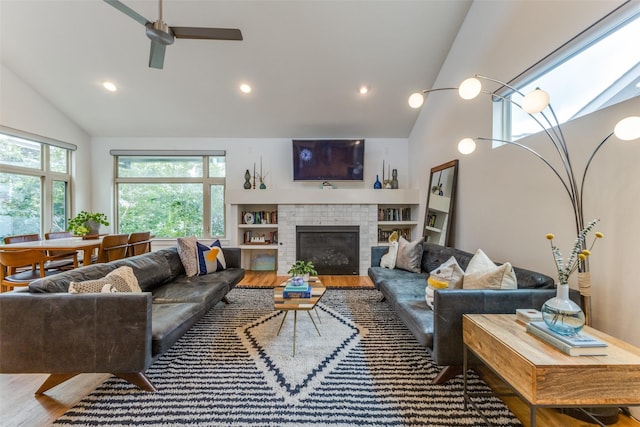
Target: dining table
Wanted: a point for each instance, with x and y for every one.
(88, 246)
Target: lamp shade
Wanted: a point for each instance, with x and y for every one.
(470, 88)
(466, 146)
(535, 101)
(628, 128)
(416, 100)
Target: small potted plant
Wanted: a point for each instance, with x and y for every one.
(87, 223)
(300, 271)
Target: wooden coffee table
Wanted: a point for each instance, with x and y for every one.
(298, 304)
(542, 375)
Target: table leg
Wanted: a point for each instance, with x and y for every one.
(317, 315)
(282, 323)
(532, 416)
(295, 322)
(86, 258)
(314, 323)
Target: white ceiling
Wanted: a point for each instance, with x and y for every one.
(305, 60)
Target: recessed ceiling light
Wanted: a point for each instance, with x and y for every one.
(363, 90)
(245, 88)
(110, 86)
(638, 85)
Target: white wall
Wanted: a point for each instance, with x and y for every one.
(22, 108)
(507, 199)
(277, 162)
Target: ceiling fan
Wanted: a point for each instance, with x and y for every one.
(162, 35)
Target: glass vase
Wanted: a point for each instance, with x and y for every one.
(561, 314)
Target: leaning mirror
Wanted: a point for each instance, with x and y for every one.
(438, 220)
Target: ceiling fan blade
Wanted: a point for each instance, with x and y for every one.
(128, 11)
(207, 33)
(156, 56)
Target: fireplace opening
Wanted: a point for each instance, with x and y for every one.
(333, 249)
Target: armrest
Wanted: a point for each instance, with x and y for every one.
(376, 254)
(75, 333)
(451, 304)
(233, 257)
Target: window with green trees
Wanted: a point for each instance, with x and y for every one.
(34, 184)
(171, 195)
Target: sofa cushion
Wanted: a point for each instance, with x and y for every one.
(435, 255)
(447, 275)
(210, 258)
(482, 273)
(187, 250)
(121, 279)
(409, 255)
(60, 282)
(154, 268)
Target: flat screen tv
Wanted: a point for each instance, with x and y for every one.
(328, 159)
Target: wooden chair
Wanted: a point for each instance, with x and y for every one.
(21, 238)
(62, 260)
(10, 260)
(139, 243)
(113, 247)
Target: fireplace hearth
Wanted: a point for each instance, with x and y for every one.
(333, 249)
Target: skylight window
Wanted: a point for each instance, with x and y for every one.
(592, 73)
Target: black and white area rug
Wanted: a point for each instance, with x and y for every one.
(234, 369)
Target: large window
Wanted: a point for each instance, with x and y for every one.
(34, 184)
(599, 68)
(171, 194)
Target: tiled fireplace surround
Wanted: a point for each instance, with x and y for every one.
(290, 216)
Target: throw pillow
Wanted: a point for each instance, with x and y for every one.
(188, 254)
(388, 260)
(130, 280)
(448, 275)
(210, 259)
(121, 279)
(409, 255)
(482, 273)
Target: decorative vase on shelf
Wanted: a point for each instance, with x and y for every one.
(247, 180)
(394, 179)
(561, 314)
(377, 185)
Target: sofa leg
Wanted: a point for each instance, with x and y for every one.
(447, 373)
(226, 300)
(383, 299)
(138, 379)
(53, 380)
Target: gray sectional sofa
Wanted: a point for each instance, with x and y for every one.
(440, 329)
(45, 329)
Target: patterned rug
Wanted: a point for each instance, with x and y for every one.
(236, 368)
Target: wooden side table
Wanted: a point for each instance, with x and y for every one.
(542, 375)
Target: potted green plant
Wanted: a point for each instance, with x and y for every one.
(87, 223)
(302, 270)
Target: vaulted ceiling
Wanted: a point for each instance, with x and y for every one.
(304, 59)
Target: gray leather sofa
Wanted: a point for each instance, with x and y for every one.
(440, 329)
(47, 330)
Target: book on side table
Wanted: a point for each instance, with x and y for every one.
(296, 291)
(580, 344)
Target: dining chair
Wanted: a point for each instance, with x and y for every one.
(10, 260)
(21, 238)
(113, 247)
(62, 260)
(139, 243)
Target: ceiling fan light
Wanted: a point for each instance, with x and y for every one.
(416, 100)
(466, 146)
(628, 128)
(470, 88)
(535, 101)
(110, 86)
(245, 88)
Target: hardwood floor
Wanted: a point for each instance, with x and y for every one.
(20, 407)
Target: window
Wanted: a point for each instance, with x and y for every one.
(171, 194)
(34, 184)
(599, 68)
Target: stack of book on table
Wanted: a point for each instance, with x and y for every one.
(580, 344)
(297, 291)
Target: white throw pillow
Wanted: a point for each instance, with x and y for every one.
(448, 275)
(388, 260)
(482, 273)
